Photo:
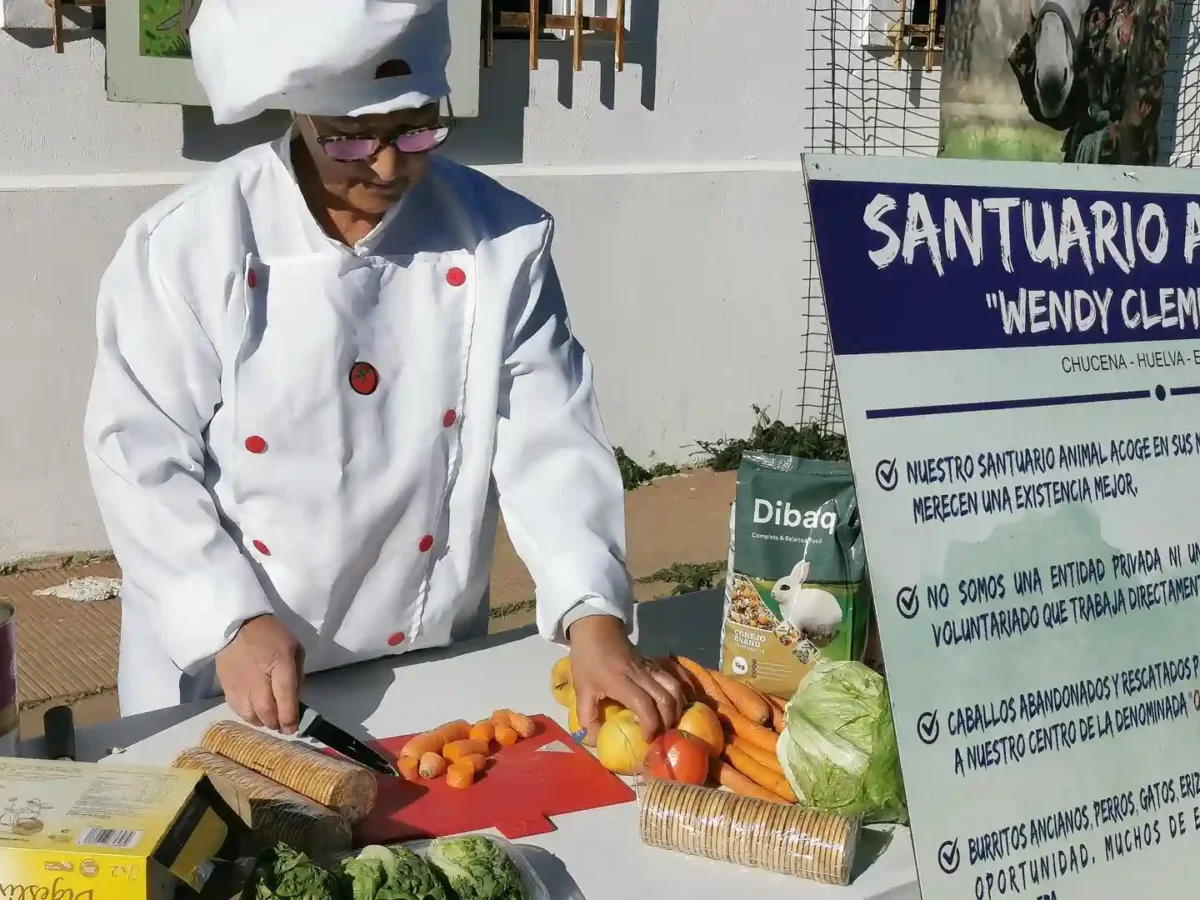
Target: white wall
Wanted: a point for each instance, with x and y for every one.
(676, 184)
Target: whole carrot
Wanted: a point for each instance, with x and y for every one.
(777, 720)
(758, 754)
(708, 686)
(725, 774)
(747, 730)
(758, 773)
(749, 702)
(671, 666)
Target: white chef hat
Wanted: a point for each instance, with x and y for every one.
(320, 57)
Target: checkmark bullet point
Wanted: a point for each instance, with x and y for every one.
(886, 475)
(907, 602)
(928, 729)
(949, 857)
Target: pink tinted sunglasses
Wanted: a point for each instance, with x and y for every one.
(347, 149)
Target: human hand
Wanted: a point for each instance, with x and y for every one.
(606, 666)
(260, 671)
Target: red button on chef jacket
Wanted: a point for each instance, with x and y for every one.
(396, 639)
(364, 378)
(251, 279)
(449, 418)
(456, 277)
(261, 548)
(426, 543)
(256, 444)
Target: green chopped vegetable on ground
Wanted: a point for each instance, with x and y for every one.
(477, 868)
(391, 873)
(838, 746)
(282, 873)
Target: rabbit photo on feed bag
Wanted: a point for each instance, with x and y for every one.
(813, 612)
(796, 589)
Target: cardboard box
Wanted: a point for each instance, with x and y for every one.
(80, 831)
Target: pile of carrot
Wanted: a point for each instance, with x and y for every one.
(459, 751)
(752, 722)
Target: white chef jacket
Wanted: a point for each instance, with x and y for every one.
(280, 423)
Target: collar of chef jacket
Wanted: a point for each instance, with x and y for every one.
(283, 150)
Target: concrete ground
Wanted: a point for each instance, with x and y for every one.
(67, 649)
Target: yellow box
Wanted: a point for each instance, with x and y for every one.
(81, 831)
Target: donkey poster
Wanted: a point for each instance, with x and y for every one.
(1054, 80)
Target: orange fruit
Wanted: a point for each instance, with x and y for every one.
(702, 723)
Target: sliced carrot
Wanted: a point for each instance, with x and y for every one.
(421, 744)
(744, 728)
(758, 773)
(758, 754)
(460, 776)
(483, 731)
(458, 730)
(477, 760)
(749, 702)
(708, 686)
(506, 735)
(725, 774)
(456, 750)
(500, 717)
(432, 765)
(522, 724)
(408, 766)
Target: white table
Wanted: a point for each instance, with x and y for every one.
(594, 854)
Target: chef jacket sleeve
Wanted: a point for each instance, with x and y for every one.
(156, 385)
(558, 481)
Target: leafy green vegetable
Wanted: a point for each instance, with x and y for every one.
(477, 868)
(282, 873)
(366, 876)
(395, 873)
(838, 747)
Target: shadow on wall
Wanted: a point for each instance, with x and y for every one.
(497, 135)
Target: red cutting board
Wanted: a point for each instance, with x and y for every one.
(546, 775)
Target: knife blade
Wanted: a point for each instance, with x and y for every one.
(315, 726)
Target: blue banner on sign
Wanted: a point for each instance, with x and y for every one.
(919, 268)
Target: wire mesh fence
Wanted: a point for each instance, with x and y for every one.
(865, 98)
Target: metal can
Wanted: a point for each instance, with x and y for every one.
(10, 698)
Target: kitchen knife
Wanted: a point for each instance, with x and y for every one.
(315, 726)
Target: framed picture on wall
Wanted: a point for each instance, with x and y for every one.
(149, 58)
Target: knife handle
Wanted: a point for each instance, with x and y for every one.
(59, 723)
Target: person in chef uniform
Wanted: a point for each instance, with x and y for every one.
(324, 367)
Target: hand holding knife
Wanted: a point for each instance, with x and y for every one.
(316, 727)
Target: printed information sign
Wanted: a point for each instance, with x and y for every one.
(1018, 357)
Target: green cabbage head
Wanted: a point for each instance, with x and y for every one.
(838, 747)
(477, 868)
